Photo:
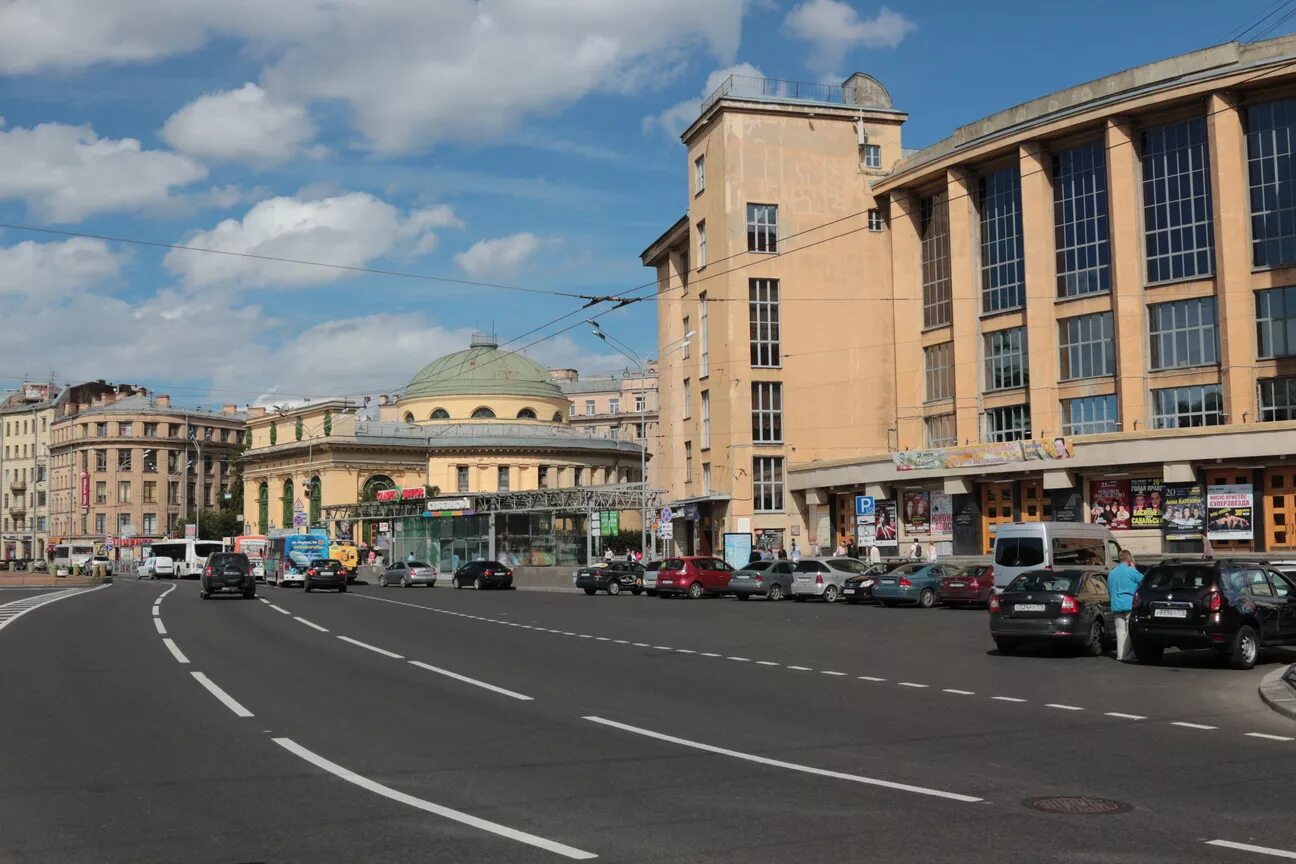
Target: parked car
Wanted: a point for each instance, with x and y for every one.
(157, 567)
(324, 573)
(859, 587)
(409, 574)
(824, 577)
(771, 579)
(910, 583)
(98, 561)
(972, 585)
(648, 580)
(1235, 607)
(227, 573)
(1069, 607)
(693, 576)
(609, 576)
(483, 574)
(1020, 547)
(39, 565)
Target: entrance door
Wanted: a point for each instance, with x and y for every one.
(1035, 503)
(1280, 507)
(996, 510)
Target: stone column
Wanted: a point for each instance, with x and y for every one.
(965, 286)
(1041, 287)
(906, 269)
(1124, 176)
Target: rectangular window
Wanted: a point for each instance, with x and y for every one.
(124, 429)
(150, 461)
(704, 365)
(1277, 399)
(872, 156)
(149, 526)
(1178, 237)
(123, 491)
(767, 412)
(1087, 345)
(503, 473)
(150, 491)
(614, 405)
(1276, 323)
(101, 430)
(1003, 276)
(40, 499)
(173, 430)
(1183, 407)
(101, 523)
(101, 460)
(875, 221)
(706, 419)
(150, 429)
(124, 461)
(1182, 333)
(578, 477)
(937, 300)
(706, 478)
(762, 228)
(40, 523)
(1011, 423)
(1080, 220)
(123, 523)
(639, 403)
(173, 492)
(763, 307)
(542, 476)
(1091, 415)
(701, 244)
(1271, 133)
(101, 491)
(688, 461)
(688, 399)
(940, 431)
(589, 408)
(938, 361)
(461, 478)
(571, 410)
(1005, 359)
(699, 174)
(686, 347)
(767, 484)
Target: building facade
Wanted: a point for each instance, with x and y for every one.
(1091, 316)
(622, 405)
(25, 418)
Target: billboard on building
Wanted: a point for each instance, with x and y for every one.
(917, 513)
(1109, 503)
(1146, 500)
(1228, 512)
(942, 513)
(880, 529)
(1183, 511)
(769, 539)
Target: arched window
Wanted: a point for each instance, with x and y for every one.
(374, 485)
(483, 413)
(557, 418)
(409, 417)
(316, 495)
(286, 503)
(439, 414)
(526, 414)
(263, 508)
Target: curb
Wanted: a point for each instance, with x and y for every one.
(1278, 694)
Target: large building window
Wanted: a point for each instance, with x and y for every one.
(1277, 399)
(1011, 423)
(767, 412)
(688, 461)
(1181, 407)
(872, 155)
(940, 431)
(699, 174)
(937, 301)
(767, 484)
(1087, 345)
(101, 459)
(688, 399)
(1003, 275)
(938, 362)
(503, 478)
(1005, 359)
(704, 346)
(1080, 220)
(706, 419)
(701, 245)
(1178, 239)
(763, 306)
(1271, 133)
(762, 227)
(461, 478)
(1182, 333)
(124, 455)
(1276, 323)
(1090, 415)
(149, 526)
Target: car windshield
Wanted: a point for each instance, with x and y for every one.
(758, 565)
(1178, 577)
(673, 564)
(1046, 581)
(971, 572)
(1019, 551)
(906, 569)
(422, 564)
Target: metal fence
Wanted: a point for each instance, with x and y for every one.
(748, 87)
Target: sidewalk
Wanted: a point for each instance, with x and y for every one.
(42, 580)
(1279, 692)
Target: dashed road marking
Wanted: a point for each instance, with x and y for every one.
(958, 692)
(1186, 725)
(835, 674)
(1268, 737)
(1247, 847)
(473, 681)
(280, 609)
(800, 668)
(175, 652)
(1063, 707)
(639, 644)
(1007, 699)
(685, 651)
(225, 699)
(740, 659)
(161, 628)
(711, 654)
(374, 648)
(311, 624)
(910, 684)
(1121, 716)
(766, 663)
(869, 678)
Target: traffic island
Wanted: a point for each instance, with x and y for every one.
(1278, 690)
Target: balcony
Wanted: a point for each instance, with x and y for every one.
(18, 484)
(18, 505)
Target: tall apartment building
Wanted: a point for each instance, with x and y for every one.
(25, 417)
(622, 405)
(1090, 315)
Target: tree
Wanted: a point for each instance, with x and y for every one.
(328, 423)
(274, 434)
(298, 429)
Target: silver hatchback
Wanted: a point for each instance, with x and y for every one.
(823, 577)
(409, 574)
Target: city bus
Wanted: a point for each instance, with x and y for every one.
(75, 553)
(287, 555)
(253, 546)
(189, 555)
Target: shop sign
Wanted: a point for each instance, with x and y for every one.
(1109, 503)
(1228, 512)
(448, 505)
(917, 518)
(416, 493)
(1146, 501)
(978, 455)
(737, 550)
(942, 513)
(1183, 514)
(85, 489)
(769, 539)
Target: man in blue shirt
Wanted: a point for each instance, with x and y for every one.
(1122, 582)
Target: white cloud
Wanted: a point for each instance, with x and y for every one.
(66, 173)
(834, 27)
(675, 119)
(243, 125)
(499, 258)
(44, 270)
(349, 230)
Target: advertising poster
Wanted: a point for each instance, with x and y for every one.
(1146, 500)
(917, 513)
(942, 513)
(1228, 512)
(737, 550)
(886, 533)
(769, 539)
(1109, 503)
(1184, 511)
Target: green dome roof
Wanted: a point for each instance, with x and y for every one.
(482, 370)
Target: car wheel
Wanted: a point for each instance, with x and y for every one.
(1246, 648)
(1094, 647)
(1005, 647)
(203, 594)
(742, 596)
(342, 590)
(614, 588)
(830, 594)
(1146, 654)
(695, 591)
(927, 599)
(477, 583)
(455, 581)
(306, 586)
(591, 591)
(405, 583)
(775, 592)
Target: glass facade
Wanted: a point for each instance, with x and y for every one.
(937, 300)
(1178, 236)
(1011, 423)
(940, 431)
(1271, 129)
(1087, 345)
(1277, 399)
(1005, 359)
(1276, 323)
(1003, 273)
(763, 307)
(1080, 220)
(1183, 333)
(521, 539)
(939, 369)
(1183, 407)
(1090, 415)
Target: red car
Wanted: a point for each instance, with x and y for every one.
(693, 577)
(972, 585)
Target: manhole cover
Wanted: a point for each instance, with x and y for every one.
(1077, 805)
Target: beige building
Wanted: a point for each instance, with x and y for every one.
(127, 464)
(25, 418)
(1079, 308)
(622, 405)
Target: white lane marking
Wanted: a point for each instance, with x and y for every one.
(280, 609)
(766, 663)
(225, 699)
(161, 628)
(710, 654)
(602, 639)
(586, 636)
(740, 659)
(958, 692)
(165, 593)
(800, 668)
(1247, 847)
(373, 648)
(685, 651)
(1269, 737)
(837, 674)
(1007, 699)
(620, 642)
(1124, 716)
(29, 604)
(791, 766)
(565, 633)
(264, 600)
(473, 681)
(1193, 725)
(175, 652)
(311, 624)
(639, 644)
(1063, 707)
(869, 678)
(910, 684)
(429, 807)
(157, 611)
(663, 648)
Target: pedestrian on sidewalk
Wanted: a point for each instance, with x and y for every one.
(1122, 582)
(931, 551)
(915, 551)
(874, 554)
(796, 553)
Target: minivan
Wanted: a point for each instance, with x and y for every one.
(1024, 546)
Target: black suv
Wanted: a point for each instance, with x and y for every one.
(227, 573)
(611, 577)
(1234, 607)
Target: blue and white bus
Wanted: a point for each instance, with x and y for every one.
(287, 556)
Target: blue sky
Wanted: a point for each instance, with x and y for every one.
(501, 141)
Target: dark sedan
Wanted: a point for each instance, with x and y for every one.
(970, 586)
(859, 587)
(324, 573)
(611, 576)
(1070, 607)
(483, 574)
(771, 579)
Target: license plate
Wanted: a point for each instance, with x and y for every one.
(1170, 613)
(848, 590)
(886, 581)
(956, 584)
(1029, 607)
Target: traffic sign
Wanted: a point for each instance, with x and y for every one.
(864, 505)
(665, 514)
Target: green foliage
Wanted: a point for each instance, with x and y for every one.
(328, 423)
(297, 428)
(274, 433)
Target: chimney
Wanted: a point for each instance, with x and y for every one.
(229, 409)
(163, 401)
(257, 411)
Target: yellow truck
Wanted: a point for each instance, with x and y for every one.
(348, 556)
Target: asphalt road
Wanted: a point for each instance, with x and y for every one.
(143, 724)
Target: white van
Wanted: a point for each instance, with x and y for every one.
(1025, 546)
